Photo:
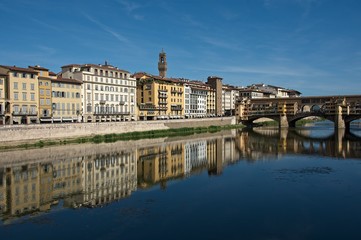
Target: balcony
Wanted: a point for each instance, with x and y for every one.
(147, 107)
(162, 96)
(162, 91)
(162, 103)
(162, 108)
(26, 113)
(121, 102)
(111, 113)
(176, 108)
(102, 102)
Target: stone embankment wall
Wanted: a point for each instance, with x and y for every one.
(35, 132)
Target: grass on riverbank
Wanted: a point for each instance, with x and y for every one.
(107, 138)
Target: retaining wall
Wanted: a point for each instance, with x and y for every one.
(35, 132)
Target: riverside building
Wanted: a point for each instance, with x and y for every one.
(108, 93)
(229, 96)
(159, 98)
(195, 99)
(2, 98)
(215, 102)
(21, 95)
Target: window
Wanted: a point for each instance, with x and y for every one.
(24, 75)
(89, 108)
(88, 86)
(41, 101)
(47, 101)
(41, 91)
(33, 109)
(32, 96)
(24, 96)
(15, 85)
(32, 86)
(24, 109)
(15, 74)
(48, 92)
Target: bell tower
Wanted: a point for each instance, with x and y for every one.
(162, 64)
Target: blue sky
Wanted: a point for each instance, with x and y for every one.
(309, 45)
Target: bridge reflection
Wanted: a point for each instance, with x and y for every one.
(258, 143)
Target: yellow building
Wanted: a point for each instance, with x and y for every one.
(159, 164)
(211, 103)
(159, 98)
(45, 100)
(2, 98)
(21, 94)
(23, 190)
(67, 177)
(66, 100)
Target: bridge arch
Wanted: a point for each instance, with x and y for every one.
(251, 121)
(311, 107)
(293, 119)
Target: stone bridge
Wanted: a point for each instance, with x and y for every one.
(341, 110)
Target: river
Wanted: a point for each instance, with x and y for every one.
(237, 184)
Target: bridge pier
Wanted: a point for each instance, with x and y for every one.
(283, 122)
(339, 121)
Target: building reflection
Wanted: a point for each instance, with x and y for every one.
(91, 175)
(34, 181)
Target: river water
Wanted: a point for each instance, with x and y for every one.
(237, 184)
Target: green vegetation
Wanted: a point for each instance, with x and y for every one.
(173, 132)
(303, 122)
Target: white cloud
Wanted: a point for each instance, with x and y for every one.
(130, 7)
(188, 19)
(107, 29)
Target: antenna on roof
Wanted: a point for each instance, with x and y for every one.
(106, 63)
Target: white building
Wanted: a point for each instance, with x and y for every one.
(195, 99)
(195, 155)
(229, 96)
(108, 93)
(108, 177)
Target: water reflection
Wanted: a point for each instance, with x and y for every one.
(36, 180)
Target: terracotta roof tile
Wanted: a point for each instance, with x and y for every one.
(67, 80)
(19, 69)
